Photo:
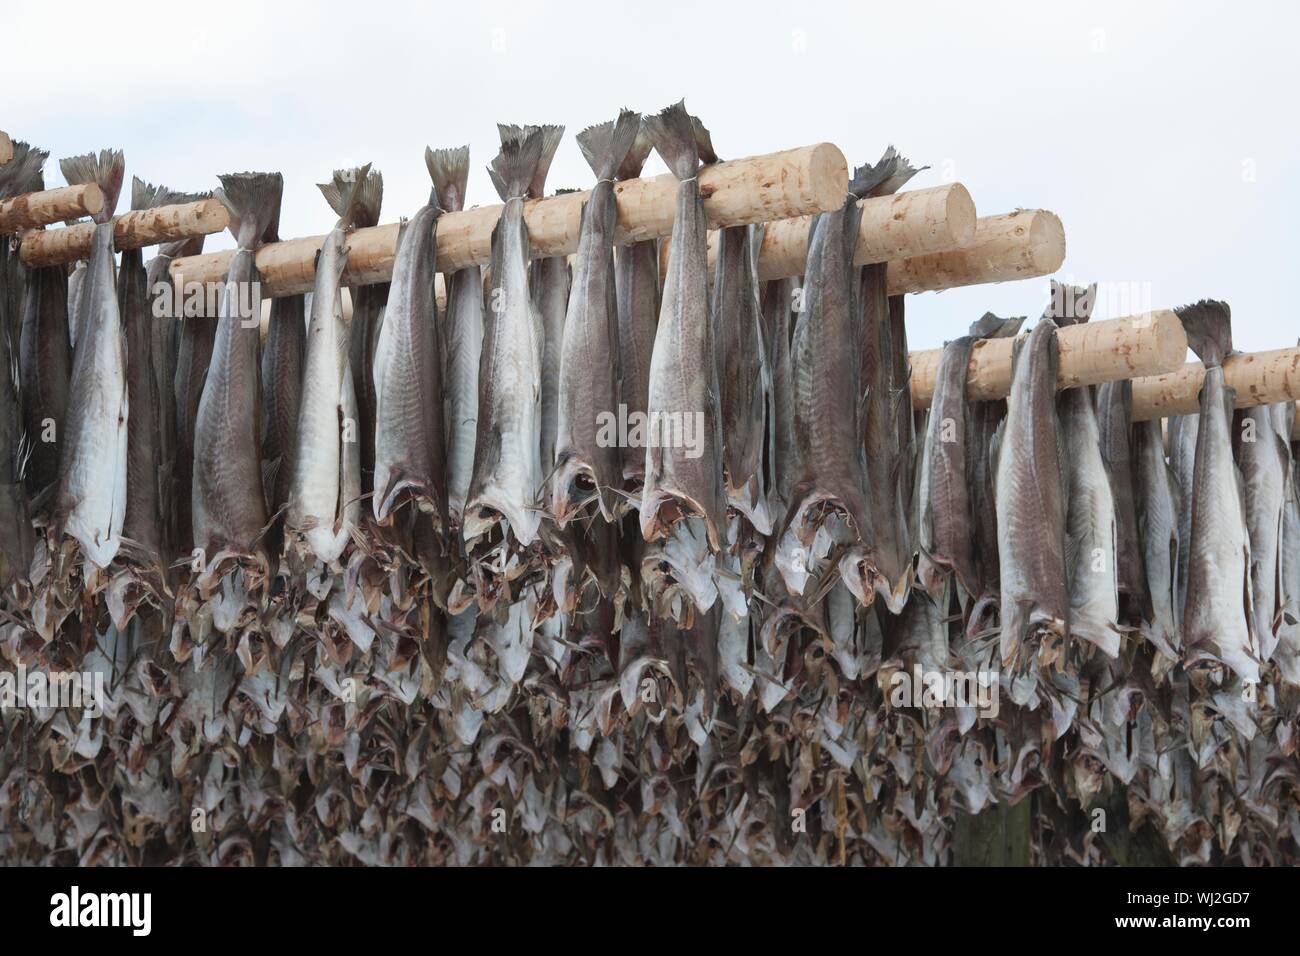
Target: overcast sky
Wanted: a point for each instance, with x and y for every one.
(1163, 134)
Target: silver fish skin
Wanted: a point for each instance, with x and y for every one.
(283, 353)
(743, 375)
(1218, 618)
(1114, 423)
(1157, 519)
(636, 279)
(551, 282)
(1264, 457)
(143, 522)
(228, 503)
(46, 370)
(1031, 514)
(946, 529)
(1183, 433)
(196, 338)
(462, 338)
(588, 463)
(507, 458)
(410, 446)
(680, 480)
(1287, 653)
(780, 298)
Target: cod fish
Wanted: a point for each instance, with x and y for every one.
(1029, 487)
(683, 478)
(507, 460)
(781, 457)
(410, 447)
(93, 451)
(636, 278)
(1184, 431)
(1264, 457)
(462, 339)
(324, 495)
(46, 370)
(1287, 653)
(1114, 423)
(1218, 617)
(1157, 520)
(588, 464)
(283, 358)
(368, 304)
(742, 371)
(1090, 527)
(228, 503)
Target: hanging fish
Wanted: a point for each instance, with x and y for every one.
(368, 303)
(93, 452)
(780, 298)
(1183, 437)
(46, 370)
(283, 360)
(1114, 423)
(229, 505)
(507, 464)
(588, 464)
(324, 495)
(1219, 617)
(1157, 521)
(1263, 442)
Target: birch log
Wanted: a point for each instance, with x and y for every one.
(6, 148)
(132, 230)
(1017, 245)
(1091, 353)
(34, 210)
(780, 185)
(1258, 378)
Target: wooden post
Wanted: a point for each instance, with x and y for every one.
(34, 210)
(6, 148)
(1017, 245)
(781, 185)
(1090, 354)
(1258, 378)
(132, 230)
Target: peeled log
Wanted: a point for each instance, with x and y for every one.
(1091, 353)
(132, 230)
(780, 185)
(1017, 245)
(34, 210)
(1258, 378)
(6, 148)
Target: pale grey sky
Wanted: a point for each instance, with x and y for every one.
(1162, 133)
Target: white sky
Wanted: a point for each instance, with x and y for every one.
(1163, 134)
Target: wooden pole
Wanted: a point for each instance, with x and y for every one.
(781, 185)
(1091, 353)
(34, 210)
(1017, 245)
(1258, 378)
(6, 148)
(132, 230)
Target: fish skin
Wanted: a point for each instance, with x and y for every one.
(1218, 617)
(1114, 421)
(142, 523)
(683, 366)
(228, 503)
(636, 280)
(196, 339)
(946, 528)
(507, 457)
(1157, 519)
(778, 313)
(46, 371)
(551, 282)
(1265, 464)
(1183, 433)
(93, 453)
(283, 357)
(589, 378)
(410, 445)
(1287, 653)
(1031, 514)
(736, 314)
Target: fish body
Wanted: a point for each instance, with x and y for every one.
(46, 371)
(551, 282)
(1157, 519)
(1184, 431)
(283, 354)
(1264, 457)
(1114, 422)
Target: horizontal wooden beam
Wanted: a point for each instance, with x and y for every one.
(780, 185)
(34, 210)
(1258, 378)
(6, 148)
(1017, 245)
(1091, 353)
(132, 230)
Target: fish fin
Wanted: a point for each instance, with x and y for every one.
(449, 170)
(1208, 325)
(148, 196)
(606, 145)
(989, 326)
(355, 196)
(22, 174)
(516, 164)
(1070, 304)
(885, 178)
(107, 170)
(679, 139)
(635, 159)
(253, 201)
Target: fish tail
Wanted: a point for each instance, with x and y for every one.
(253, 201)
(148, 196)
(449, 170)
(355, 195)
(680, 139)
(635, 159)
(1208, 325)
(884, 178)
(989, 326)
(107, 169)
(22, 174)
(514, 168)
(606, 145)
(1070, 304)
(551, 136)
